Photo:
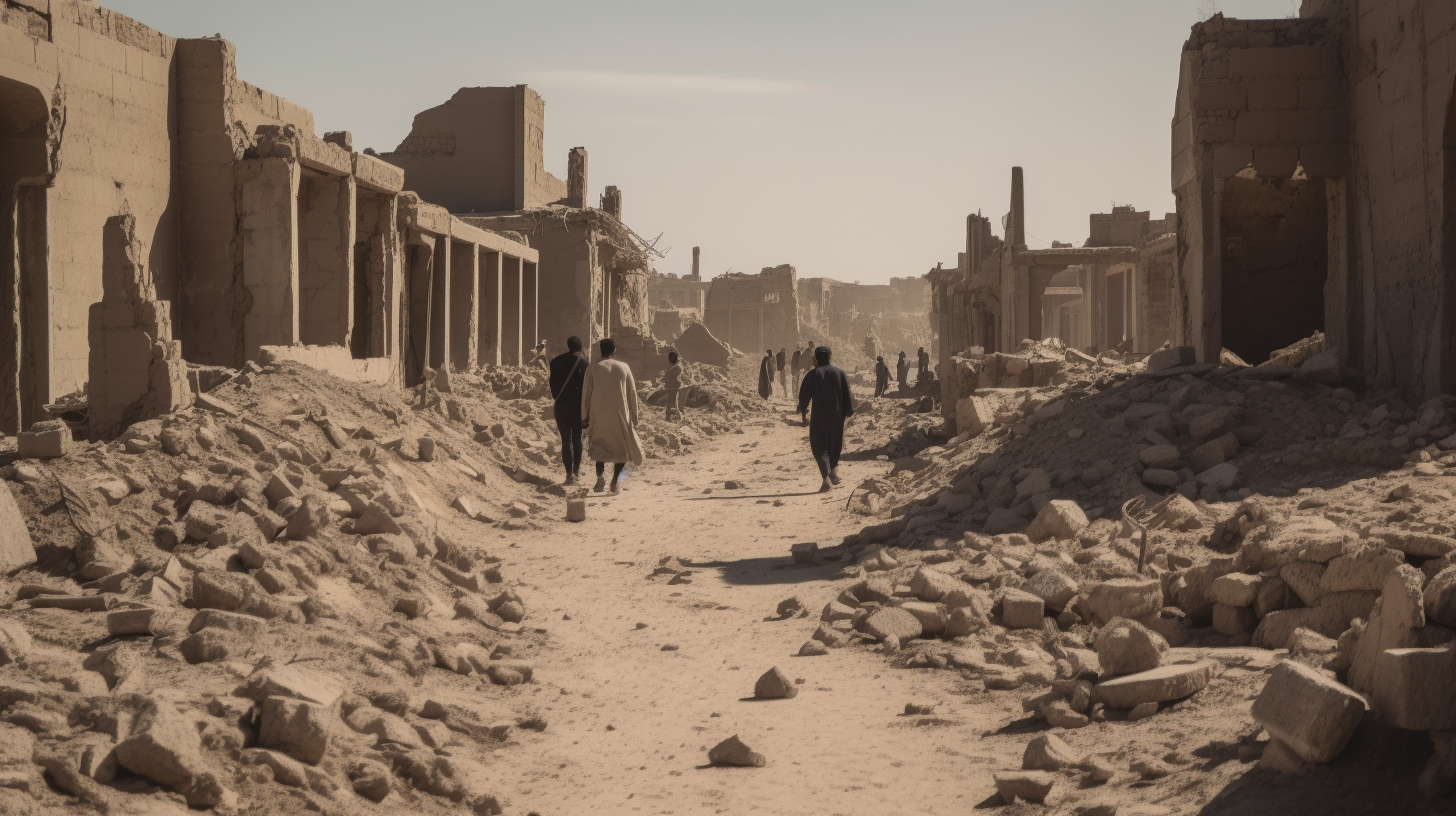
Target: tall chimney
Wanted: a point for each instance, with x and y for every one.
(576, 178)
(697, 275)
(612, 202)
(1016, 231)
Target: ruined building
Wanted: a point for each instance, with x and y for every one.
(1116, 292)
(755, 312)
(1312, 163)
(159, 211)
(481, 155)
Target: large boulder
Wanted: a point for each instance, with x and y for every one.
(1128, 647)
(1054, 587)
(1393, 624)
(1156, 685)
(296, 727)
(1312, 714)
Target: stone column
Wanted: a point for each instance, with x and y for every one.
(576, 178)
(511, 312)
(268, 223)
(489, 322)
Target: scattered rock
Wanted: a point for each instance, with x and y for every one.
(732, 751)
(774, 685)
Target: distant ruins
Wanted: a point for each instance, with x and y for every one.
(245, 234)
(1311, 168)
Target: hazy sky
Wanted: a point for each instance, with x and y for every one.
(847, 138)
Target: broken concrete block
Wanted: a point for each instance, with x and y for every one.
(44, 440)
(883, 624)
(1324, 367)
(974, 416)
(576, 510)
(1215, 422)
(1439, 598)
(1219, 477)
(15, 642)
(1413, 690)
(1310, 713)
(1123, 598)
(733, 751)
(1156, 685)
(1393, 624)
(1054, 588)
(290, 681)
(1021, 610)
(805, 552)
(1305, 580)
(1171, 357)
(1027, 786)
(121, 622)
(1235, 589)
(161, 745)
(1364, 569)
(1164, 457)
(1059, 518)
(1048, 752)
(1128, 647)
(297, 727)
(16, 547)
(1330, 618)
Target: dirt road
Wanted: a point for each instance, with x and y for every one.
(630, 723)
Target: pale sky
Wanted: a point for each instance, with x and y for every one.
(847, 138)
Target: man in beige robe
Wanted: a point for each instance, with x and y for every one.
(609, 415)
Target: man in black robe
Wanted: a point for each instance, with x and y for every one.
(798, 361)
(826, 388)
(766, 375)
(902, 372)
(882, 377)
(567, 373)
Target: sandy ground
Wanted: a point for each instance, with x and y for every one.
(630, 723)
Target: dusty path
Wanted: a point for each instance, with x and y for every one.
(629, 723)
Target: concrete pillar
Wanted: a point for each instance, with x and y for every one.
(697, 273)
(464, 305)
(576, 178)
(612, 202)
(511, 311)
(1016, 229)
(488, 323)
(268, 223)
(375, 263)
(530, 295)
(419, 300)
(326, 228)
(440, 306)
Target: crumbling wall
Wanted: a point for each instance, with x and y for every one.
(136, 368)
(482, 151)
(753, 312)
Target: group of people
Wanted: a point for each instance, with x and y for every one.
(902, 371)
(595, 407)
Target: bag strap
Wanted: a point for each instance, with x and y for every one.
(555, 398)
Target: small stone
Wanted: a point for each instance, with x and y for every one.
(1022, 610)
(1059, 714)
(813, 648)
(920, 709)
(774, 685)
(732, 751)
(1142, 711)
(207, 646)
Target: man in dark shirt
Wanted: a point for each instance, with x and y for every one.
(826, 389)
(567, 373)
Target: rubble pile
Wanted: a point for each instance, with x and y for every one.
(288, 596)
(1288, 543)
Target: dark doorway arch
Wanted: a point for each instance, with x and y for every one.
(24, 256)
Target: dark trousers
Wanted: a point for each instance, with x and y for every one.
(826, 443)
(570, 429)
(616, 470)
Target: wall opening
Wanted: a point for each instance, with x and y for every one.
(1274, 263)
(324, 257)
(463, 281)
(373, 219)
(24, 256)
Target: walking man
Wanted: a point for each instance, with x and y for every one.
(766, 375)
(672, 381)
(782, 360)
(798, 361)
(902, 371)
(882, 377)
(826, 389)
(567, 372)
(609, 413)
(924, 361)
